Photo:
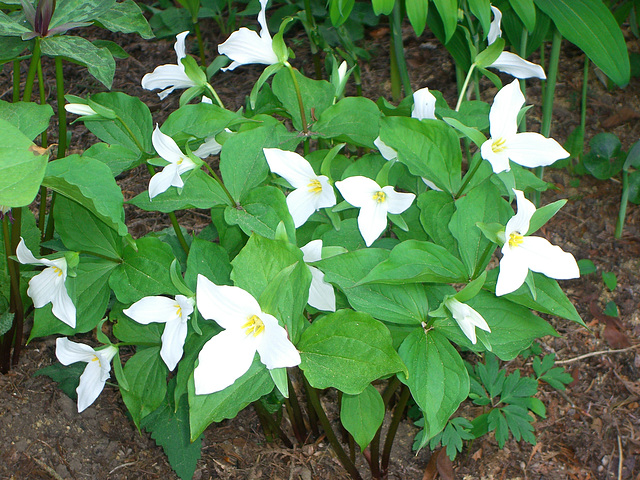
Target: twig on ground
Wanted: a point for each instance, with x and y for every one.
(593, 354)
(48, 469)
(128, 464)
(620, 459)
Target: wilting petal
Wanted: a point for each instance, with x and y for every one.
(173, 337)
(222, 360)
(531, 150)
(548, 259)
(68, 352)
(229, 306)
(397, 202)
(321, 294)
(166, 146)
(494, 27)
(503, 116)
(372, 221)
(424, 105)
(289, 165)
(520, 221)
(275, 348)
(358, 190)
(386, 151)
(513, 270)
(518, 67)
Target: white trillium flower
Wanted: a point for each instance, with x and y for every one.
(528, 149)
(80, 109)
(374, 203)
(521, 253)
(247, 330)
(48, 285)
(321, 294)
(467, 318)
(170, 77)
(179, 163)
(245, 46)
(95, 374)
(494, 28)
(209, 147)
(174, 314)
(312, 192)
(424, 105)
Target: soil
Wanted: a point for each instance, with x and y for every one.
(592, 430)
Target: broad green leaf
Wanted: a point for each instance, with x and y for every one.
(347, 350)
(208, 259)
(116, 157)
(437, 377)
(22, 167)
(543, 214)
(90, 183)
(448, 10)
(339, 11)
(12, 47)
(476, 136)
(526, 10)
(146, 375)
(429, 149)
(590, 25)
(126, 17)
(128, 330)
(99, 61)
(200, 120)
(417, 11)
(481, 9)
(382, 7)
(353, 120)
(30, 118)
(486, 57)
(218, 406)
(79, 10)
(144, 271)
(199, 191)
(10, 27)
(67, 377)
(362, 415)
(436, 209)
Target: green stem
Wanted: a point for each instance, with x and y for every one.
(14, 335)
(48, 234)
(215, 95)
(396, 32)
(394, 73)
(623, 204)
(311, 34)
(268, 424)
(463, 90)
(374, 447)
(203, 59)
(489, 249)
(62, 113)
(44, 143)
(217, 179)
(43, 100)
(468, 177)
(31, 74)
(178, 230)
(346, 462)
(16, 81)
(303, 116)
(104, 257)
(393, 428)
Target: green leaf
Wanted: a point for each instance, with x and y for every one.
(10, 27)
(116, 157)
(437, 377)
(417, 11)
(586, 266)
(6, 318)
(481, 9)
(99, 61)
(67, 378)
(90, 183)
(339, 11)
(144, 271)
(448, 10)
(382, 7)
(362, 415)
(30, 118)
(590, 25)
(79, 10)
(472, 134)
(354, 120)
(543, 214)
(22, 167)
(526, 10)
(611, 309)
(126, 17)
(200, 120)
(347, 350)
(208, 259)
(130, 331)
(436, 209)
(490, 54)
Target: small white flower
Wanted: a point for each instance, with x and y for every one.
(521, 253)
(80, 109)
(95, 374)
(467, 318)
(245, 46)
(170, 77)
(321, 294)
(247, 330)
(48, 285)
(424, 105)
(179, 163)
(174, 314)
(527, 149)
(312, 192)
(374, 203)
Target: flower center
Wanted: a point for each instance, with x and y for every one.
(57, 270)
(96, 359)
(314, 186)
(515, 239)
(178, 310)
(253, 326)
(379, 196)
(180, 161)
(499, 145)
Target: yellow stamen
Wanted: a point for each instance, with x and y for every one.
(178, 309)
(315, 186)
(57, 270)
(380, 196)
(253, 326)
(96, 359)
(515, 239)
(180, 161)
(499, 145)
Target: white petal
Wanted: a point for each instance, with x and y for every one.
(321, 294)
(494, 28)
(503, 116)
(513, 270)
(548, 259)
(79, 109)
(44, 286)
(275, 348)
(342, 71)
(358, 190)
(154, 309)
(222, 360)
(301, 204)
(69, 352)
(209, 147)
(91, 384)
(62, 306)
(245, 46)
(229, 306)
(290, 166)
(424, 104)
(173, 337)
(327, 197)
(520, 221)
(167, 77)
(262, 20)
(386, 151)
(534, 150)
(312, 251)
(518, 67)
(166, 146)
(372, 221)
(431, 185)
(499, 160)
(24, 254)
(161, 181)
(179, 46)
(397, 202)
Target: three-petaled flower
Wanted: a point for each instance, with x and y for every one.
(174, 314)
(522, 253)
(528, 149)
(467, 318)
(48, 285)
(312, 192)
(95, 373)
(321, 294)
(170, 77)
(245, 46)
(179, 163)
(374, 203)
(247, 330)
